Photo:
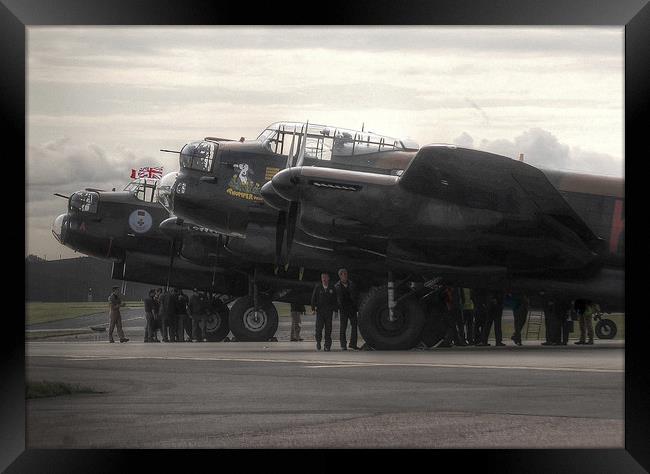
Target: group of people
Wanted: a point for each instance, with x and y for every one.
(326, 299)
(469, 314)
(171, 312)
(175, 315)
(558, 321)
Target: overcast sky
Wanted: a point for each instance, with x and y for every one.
(104, 100)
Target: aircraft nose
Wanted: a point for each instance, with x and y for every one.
(166, 191)
(286, 183)
(58, 226)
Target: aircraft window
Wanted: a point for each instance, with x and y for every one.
(84, 201)
(198, 156)
(325, 142)
(143, 190)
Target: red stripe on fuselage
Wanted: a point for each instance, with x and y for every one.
(618, 224)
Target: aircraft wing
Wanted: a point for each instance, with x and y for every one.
(445, 195)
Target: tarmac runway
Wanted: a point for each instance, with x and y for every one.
(286, 394)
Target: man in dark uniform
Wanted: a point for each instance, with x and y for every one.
(181, 314)
(452, 318)
(564, 322)
(494, 315)
(520, 305)
(156, 314)
(148, 316)
(114, 315)
(167, 312)
(550, 323)
(480, 298)
(348, 302)
(197, 308)
(323, 301)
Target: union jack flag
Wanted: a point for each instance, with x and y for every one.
(148, 172)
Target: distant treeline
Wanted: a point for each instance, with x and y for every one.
(73, 279)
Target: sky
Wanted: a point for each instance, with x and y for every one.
(103, 100)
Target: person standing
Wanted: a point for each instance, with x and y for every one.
(494, 315)
(551, 323)
(114, 315)
(167, 315)
(181, 314)
(296, 311)
(468, 315)
(520, 305)
(348, 303)
(149, 329)
(324, 303)
(564, 321)
(585, 316)
(480, 299)
(197, 308)
(156, 314)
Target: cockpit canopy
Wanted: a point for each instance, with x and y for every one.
(84, 201)
(143, 189)
(198, 155)
(325, 141)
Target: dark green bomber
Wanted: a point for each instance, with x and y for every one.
(409, 216)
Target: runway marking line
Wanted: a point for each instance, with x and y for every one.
(335, 364)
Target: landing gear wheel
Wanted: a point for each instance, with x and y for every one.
(248, 326)
(605, 329)
(217, 324)
(382, 334)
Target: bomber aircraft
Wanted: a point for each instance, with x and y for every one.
(410, 215)
(146, 245)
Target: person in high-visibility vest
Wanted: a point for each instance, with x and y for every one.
(468, 314)
(585, 310)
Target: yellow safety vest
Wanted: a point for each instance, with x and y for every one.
(468, 304)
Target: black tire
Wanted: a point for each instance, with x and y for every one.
(244, 325)
(605, 329)
(217, 324)
(382, 334)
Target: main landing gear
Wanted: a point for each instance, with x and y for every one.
(253, 317)
(392, 317)
(217, 323)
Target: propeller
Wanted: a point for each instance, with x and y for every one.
(291, 225)
(286, 223)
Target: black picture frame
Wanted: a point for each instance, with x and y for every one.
(16, 15)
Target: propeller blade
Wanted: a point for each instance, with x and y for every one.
(291, 225)
(303, 144)
(62, 195)
(279, 236)
(290, 156)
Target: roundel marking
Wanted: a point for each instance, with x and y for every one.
(140, 221)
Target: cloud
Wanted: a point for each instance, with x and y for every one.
(464, 140)
(65, 164)
(543, 149)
